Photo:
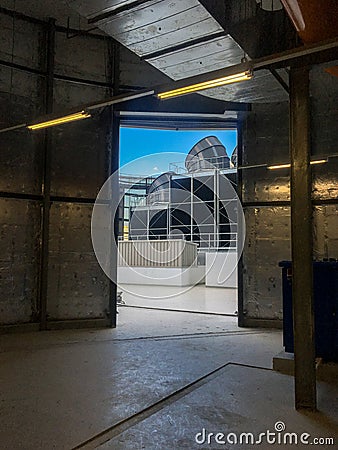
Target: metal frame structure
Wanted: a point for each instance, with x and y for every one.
(64, 30)
(213, 237)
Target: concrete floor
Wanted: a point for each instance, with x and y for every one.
(196, 298)
(153, 383)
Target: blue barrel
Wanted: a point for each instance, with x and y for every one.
(325, 290)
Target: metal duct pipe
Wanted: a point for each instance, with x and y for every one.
(159, 189)
(234, 156)
(314, 20)
(208, 153)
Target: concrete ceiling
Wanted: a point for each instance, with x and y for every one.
(181, 38)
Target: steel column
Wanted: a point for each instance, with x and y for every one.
(115, 192)
(46, 180)
(301, 239)
(114, 163)
(240, 295)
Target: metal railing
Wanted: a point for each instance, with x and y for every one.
(205, 241)
(209, 163)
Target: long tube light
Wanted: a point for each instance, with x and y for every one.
(65, 119)
(318, 161)
(279, 166)
(229, 79)
(286, 166)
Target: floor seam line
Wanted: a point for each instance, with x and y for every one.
(152, 338)
(179, 310)
(115, 430)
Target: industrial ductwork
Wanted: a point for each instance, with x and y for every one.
(314, 20)
(159, 189)
(208, 153)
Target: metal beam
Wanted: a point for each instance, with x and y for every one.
(178, 122)
(58, 28)
(13, 65)
(327, 50)
(83, 81)
(300, 56)
(197, 104)
(13, 128)
(72, 35)
(121, 98)
(280, 80)
(323, 51)
(268, 204)
(118, 10)
(21, 16)
(20, 196)
(301, 240)
(63, 199)
(325, 201)
(184, 45)
(82, 33)
(115, 56)
(66, 78)
(46, 181)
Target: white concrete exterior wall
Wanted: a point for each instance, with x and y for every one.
(161, 276)
(221, 269)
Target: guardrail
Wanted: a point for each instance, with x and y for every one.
(205, 241)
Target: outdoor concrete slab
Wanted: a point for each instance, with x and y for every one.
(216, 300)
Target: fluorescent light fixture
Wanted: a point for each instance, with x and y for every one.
(53, 122)
(286, 166)
(318, 161)
(229, 79)
(279, 166)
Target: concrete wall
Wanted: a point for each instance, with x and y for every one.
(324, 91)
(21, 96)
(266, 195)
(77, 287)
(266, 140)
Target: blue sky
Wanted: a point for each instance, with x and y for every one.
(139, 142)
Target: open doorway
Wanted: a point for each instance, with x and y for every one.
(178, 198)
